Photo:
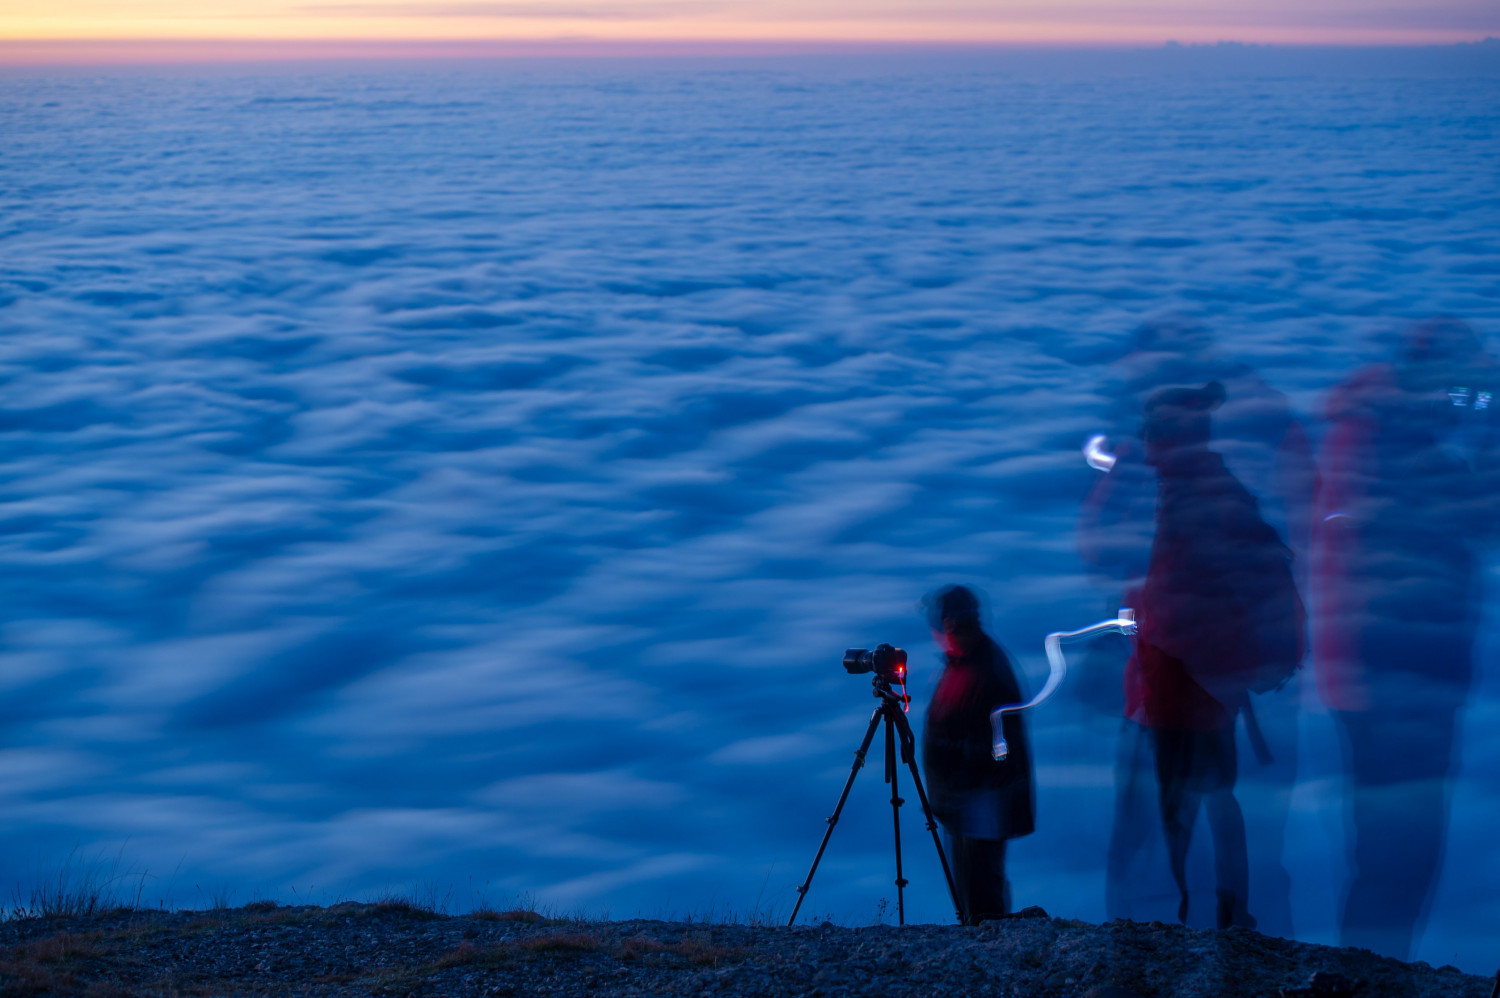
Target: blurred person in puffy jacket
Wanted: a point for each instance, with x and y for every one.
(980, 802)
(1265, 448)
(1219, 617)
(1407, 499)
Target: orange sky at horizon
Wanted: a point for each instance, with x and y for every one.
(264, 23)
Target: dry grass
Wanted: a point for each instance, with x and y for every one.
(80, 887)
(62, 947)
(562, 943)
(469, 955)
(400, 907)
(525, 915)
(49, 966)
(698, 949)
(553, 944)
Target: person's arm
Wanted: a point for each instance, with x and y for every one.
(1344, 480)
(1116, 522)
(1296, 476)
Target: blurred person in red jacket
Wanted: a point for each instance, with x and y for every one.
(1263, 445)
(1407, 498)
(1219, 617)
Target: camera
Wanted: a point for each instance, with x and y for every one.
(885, 661)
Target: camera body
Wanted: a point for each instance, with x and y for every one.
(886, 661)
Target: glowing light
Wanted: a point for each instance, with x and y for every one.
(1096, 453)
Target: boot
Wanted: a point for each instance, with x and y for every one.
(1232, 911)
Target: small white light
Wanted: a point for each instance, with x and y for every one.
(1096, 453)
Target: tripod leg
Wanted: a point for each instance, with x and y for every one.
(859, 761)
(896, 802)
(909, 756)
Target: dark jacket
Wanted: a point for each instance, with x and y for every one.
(973, 794)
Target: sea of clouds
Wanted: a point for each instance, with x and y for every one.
(466, 477)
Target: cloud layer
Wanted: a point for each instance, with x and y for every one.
(475, 476)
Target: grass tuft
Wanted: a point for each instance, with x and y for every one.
(79, 888)
(463, 955)
(46, 966)
(698, 949)
(523, 915)
(563, 942)
(401, 907)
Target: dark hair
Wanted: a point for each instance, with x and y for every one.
(1173, 333)
(1180, 416)
(952, 608)
(1441, 339)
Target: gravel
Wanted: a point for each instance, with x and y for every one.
(401, 950)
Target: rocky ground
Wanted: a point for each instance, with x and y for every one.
(395, 948)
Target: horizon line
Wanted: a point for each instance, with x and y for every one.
(18, 52)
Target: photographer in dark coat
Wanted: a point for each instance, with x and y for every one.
(981, 803)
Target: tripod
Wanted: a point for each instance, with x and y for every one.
(892, 713)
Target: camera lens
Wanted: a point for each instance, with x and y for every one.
(886, 661)
(858, 661)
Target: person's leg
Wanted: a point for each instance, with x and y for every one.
(988, 886)
(1398, 767)
(1179, 801)
(1215, 768)
(1226, 824)
(1264, 791)
(1135, 816)
(960, 865)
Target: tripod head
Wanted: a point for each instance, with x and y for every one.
(888, 665)
(882, 691)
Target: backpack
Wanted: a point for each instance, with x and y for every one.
(1220, 595)
(1277, 617)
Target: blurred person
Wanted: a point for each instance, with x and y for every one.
(980, 802)
(1219, 616)
(1407, 498)
(1265, 447)
(1254, 430)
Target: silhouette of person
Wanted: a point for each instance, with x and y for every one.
(1218, 612)
(1407, 496)
(1264, 447)
(980, 802)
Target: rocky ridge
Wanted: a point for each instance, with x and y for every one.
(397, 949)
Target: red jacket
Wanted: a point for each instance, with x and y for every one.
(1199, 645)
(1401, 513)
